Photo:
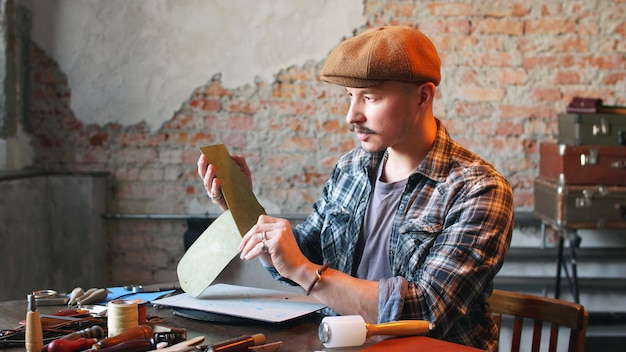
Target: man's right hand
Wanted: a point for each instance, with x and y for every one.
(212, 185)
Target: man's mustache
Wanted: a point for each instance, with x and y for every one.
(360, 129)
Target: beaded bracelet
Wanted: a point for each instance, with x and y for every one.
(318, 277)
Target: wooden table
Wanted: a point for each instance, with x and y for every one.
(296, 335)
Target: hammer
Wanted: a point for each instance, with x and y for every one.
(352, 330)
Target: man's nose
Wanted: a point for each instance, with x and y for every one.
(355, 113)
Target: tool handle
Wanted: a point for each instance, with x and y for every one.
(94, 332)
(94, 296)
(399, 328)
(135, 333)
(63, 345)
(77, 292)
(138, 345)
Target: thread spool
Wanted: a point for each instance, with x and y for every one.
(142, 314)
(121, 315)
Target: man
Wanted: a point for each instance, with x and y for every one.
(411, 225)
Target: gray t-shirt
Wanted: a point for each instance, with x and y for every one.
(372, 255)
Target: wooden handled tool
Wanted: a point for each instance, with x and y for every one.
(352, 330)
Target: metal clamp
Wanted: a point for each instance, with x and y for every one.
(602, 128)
(586, 200)
(589, 159)
(587, 197)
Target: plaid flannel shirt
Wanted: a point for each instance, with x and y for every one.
(450, 235)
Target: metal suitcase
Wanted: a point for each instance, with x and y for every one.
(579, 206)
(592, 129)
(583, 165)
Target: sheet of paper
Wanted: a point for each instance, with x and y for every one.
(247, 302)
(207, 257)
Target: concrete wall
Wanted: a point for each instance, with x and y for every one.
(51, 233)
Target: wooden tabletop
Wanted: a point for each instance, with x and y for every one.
(296, 335)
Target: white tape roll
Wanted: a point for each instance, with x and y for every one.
(342, 331)
(121, 315)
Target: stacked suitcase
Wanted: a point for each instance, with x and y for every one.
(582, 177)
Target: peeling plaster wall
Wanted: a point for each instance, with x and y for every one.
(133, 61)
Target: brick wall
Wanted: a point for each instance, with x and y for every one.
(508, 69)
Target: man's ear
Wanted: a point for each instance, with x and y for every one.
(427, 92)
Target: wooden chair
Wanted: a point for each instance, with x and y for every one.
(558, 313)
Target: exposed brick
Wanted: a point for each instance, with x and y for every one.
(299, 144)
(546, 94)
(334, 126)
(71, 123)
(400, 9)
(447, 25)
(292, 123)
(549, 25)
(525, 111)
(566, 77)
(575, 44)
(551, 9)
(498, 26)
(289, 91)
(98, 140)
(93, 156)
(547, 61)
(140, 155)
(234, 140)
(216, 90)
(615, 79)
(472, 109)
(512, 76)
(509, 129)
(205, 105)
(523, 198)
(603, 62)
(503, 9)
(170, 156)
(235, 122)
(453, 41)
(291, 107)
(621, 29)
(295, 74)
(200, 139)
(283, 161)
(521, 181)
(483, 94)
(184, 122)
(451, 9)
(246, 106)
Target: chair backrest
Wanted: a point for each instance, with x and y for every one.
(556, 312)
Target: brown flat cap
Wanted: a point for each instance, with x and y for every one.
(394, 53)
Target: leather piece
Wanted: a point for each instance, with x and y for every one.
(241, 201)
(209, 255)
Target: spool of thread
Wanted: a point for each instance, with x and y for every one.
(142, 309)
(121, 315)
